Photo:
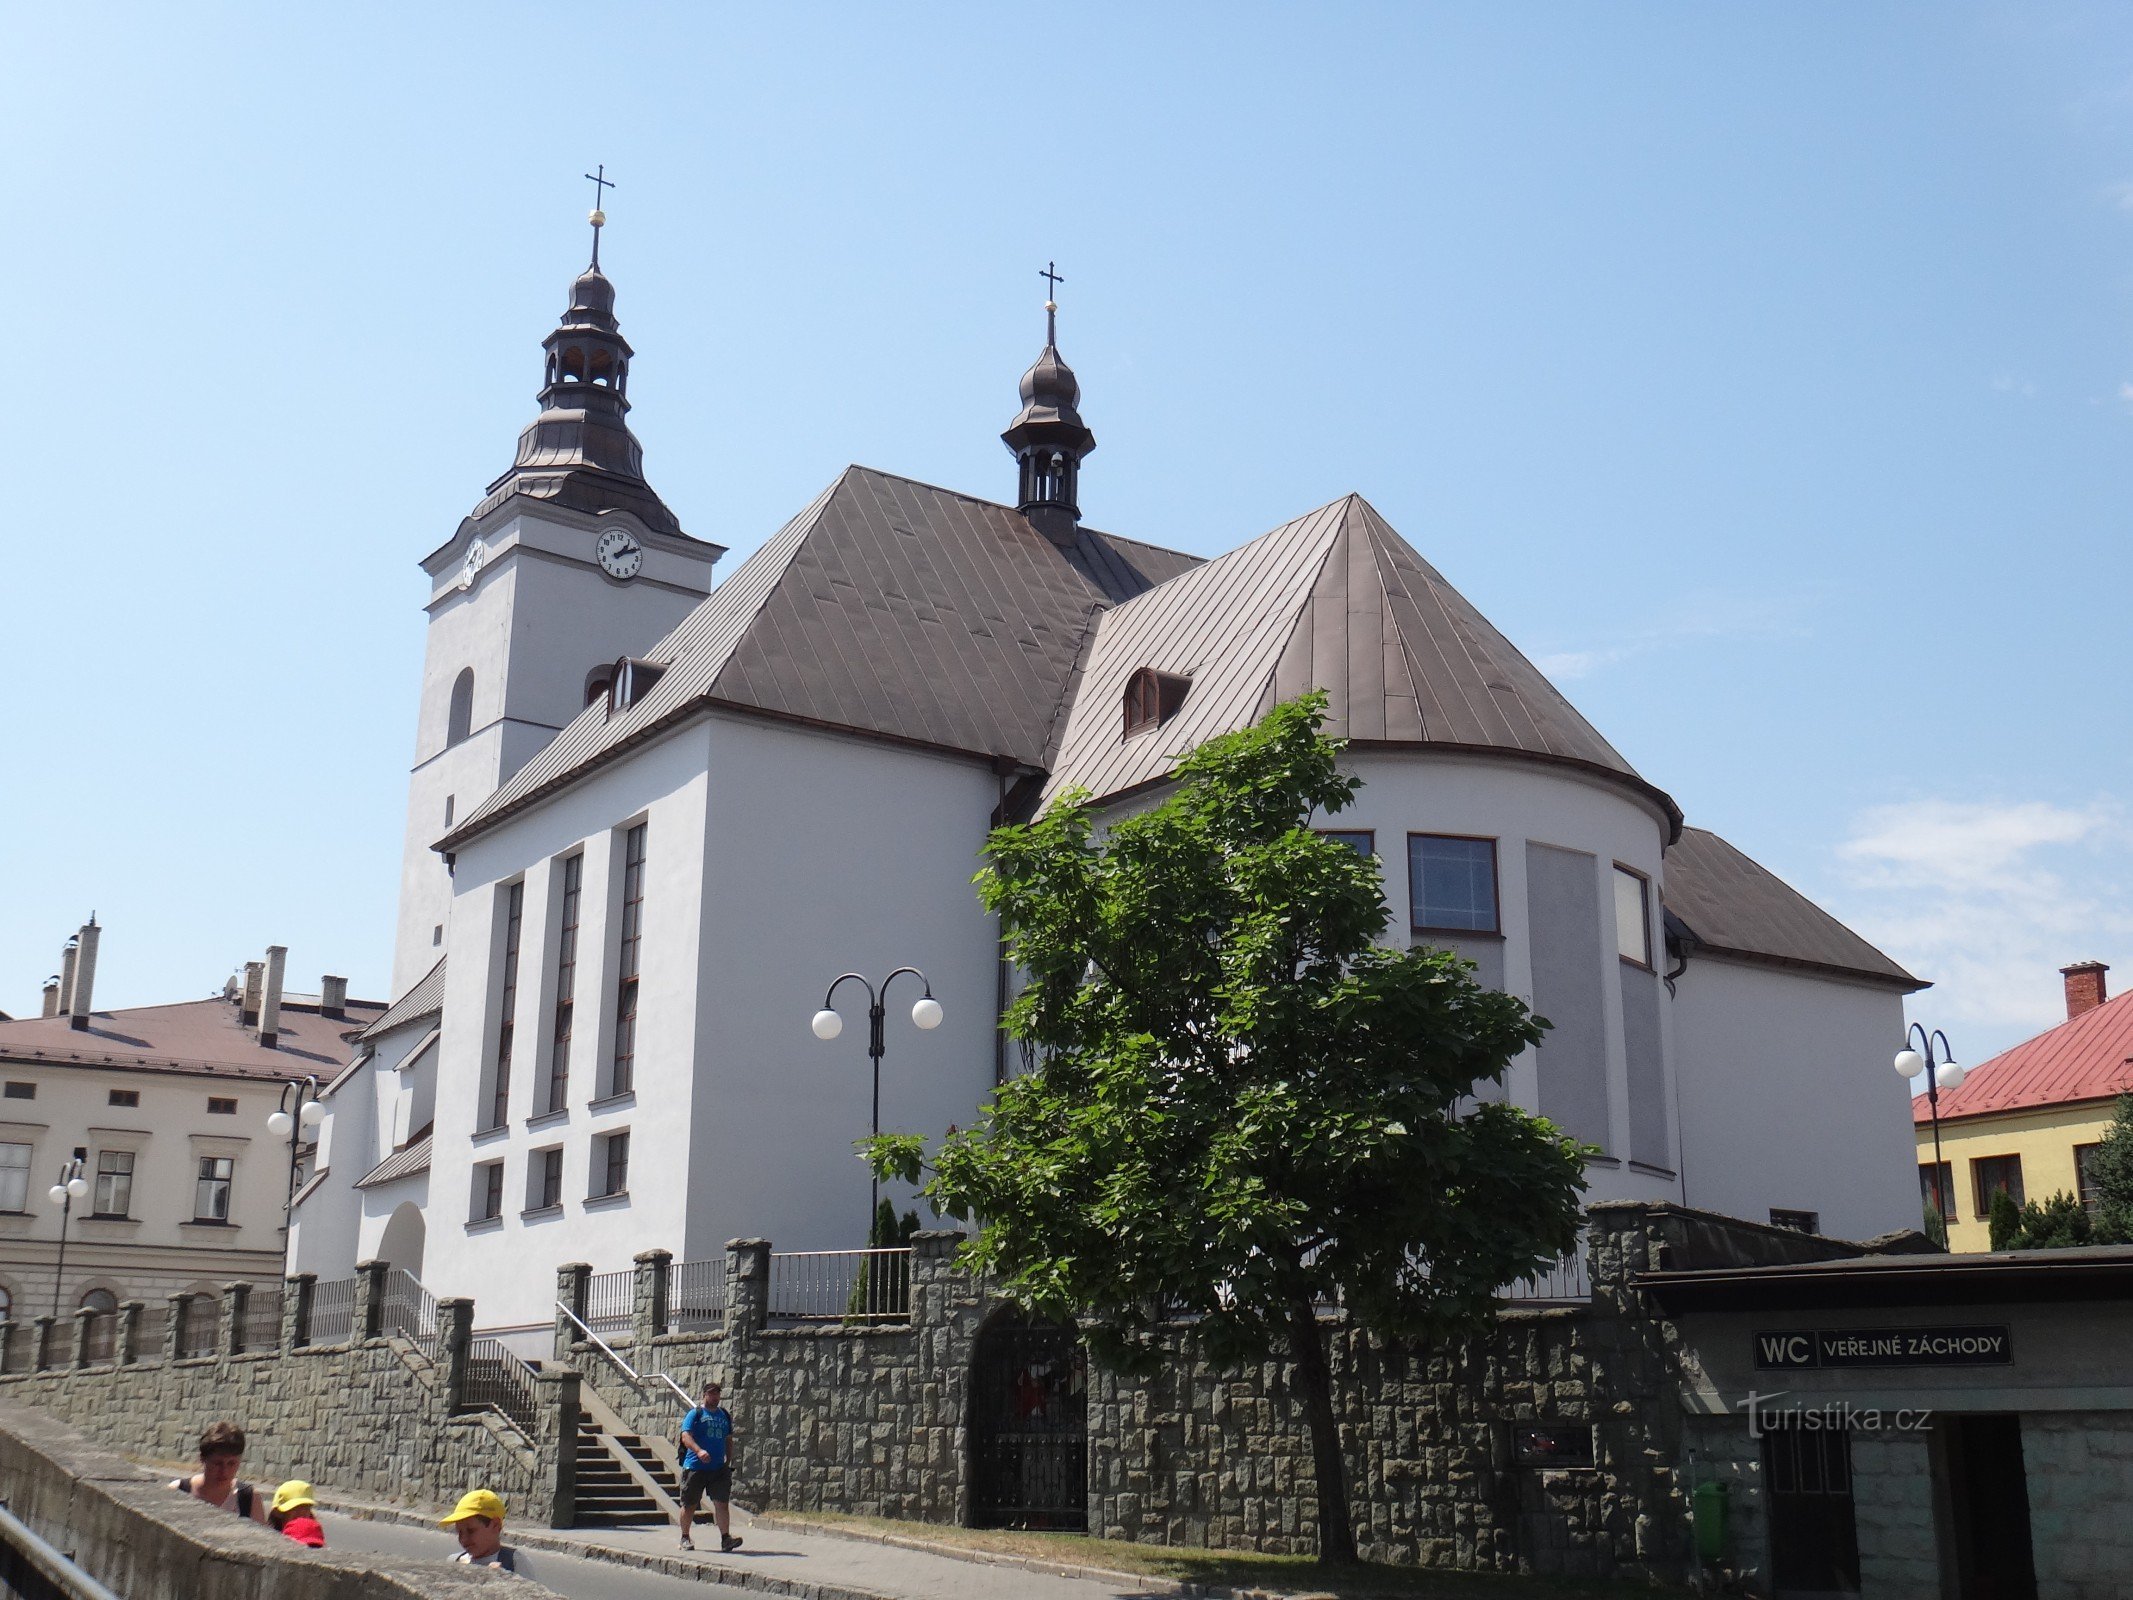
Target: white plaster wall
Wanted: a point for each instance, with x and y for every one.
(508, 1267)
(826, 855)
(374, 1110)
(1787, 1098)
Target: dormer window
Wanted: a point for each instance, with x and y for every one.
(632, 680)
(1153, 698)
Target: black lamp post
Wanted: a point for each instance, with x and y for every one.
(1931, 1054)
(292, 1119)
(70, 1188)
(925, 1015)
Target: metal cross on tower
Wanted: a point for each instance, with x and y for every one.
(1052, 281)
(601, 183)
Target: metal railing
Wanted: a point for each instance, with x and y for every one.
(198, 1326)
(841, 1285)
(31, 1566)
(497, 1378)
(1568, 1281)
(637, 1380)
(262, 1318)
(332, 1312)
(611, 1302)
(103, 1337)
(408, 1311)
(696, 1295)
(148, 1336)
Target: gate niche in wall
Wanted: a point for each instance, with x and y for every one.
(1029, 1426)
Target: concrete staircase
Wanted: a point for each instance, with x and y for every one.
(610, 1493)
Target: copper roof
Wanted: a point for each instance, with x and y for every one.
(1735, 906)
(2087, 1058)
(1335, 600)
(887, 607)
(194, 1036)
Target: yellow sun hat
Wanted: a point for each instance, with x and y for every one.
(292, 1494)
(476, 1503)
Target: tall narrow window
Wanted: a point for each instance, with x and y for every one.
(14, 1177)
(488, 1191)
(459, 720)
(566, 985)
(1633, 918)
(507, 1008)
(624, 1075)
(211, 1194)
(114, 1183)
(615, 1162)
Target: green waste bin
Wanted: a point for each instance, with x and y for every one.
(1708, 1506)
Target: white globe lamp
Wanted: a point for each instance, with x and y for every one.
(314, 1113)
(77, 1187)
(1909, 1063)
(926, 1013)
(827, 1024)
(1950, 1076)
(279, 1124)
(57, 1194)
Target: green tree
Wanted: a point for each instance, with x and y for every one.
(891, 1295)
(2004, 1218)
(1244, 1108)
(1936, 1226)
(2111, 1171)
(2056, 1224)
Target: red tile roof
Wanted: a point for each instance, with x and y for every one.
(2089, 1058)
(195, 1036)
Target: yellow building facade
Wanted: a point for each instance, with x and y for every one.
(2045, 1143)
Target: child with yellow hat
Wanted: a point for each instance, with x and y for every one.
(478, 1519)
(295, 1513)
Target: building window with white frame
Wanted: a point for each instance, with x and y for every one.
(114, 1183)
(614, 1165)
(566, 984)
(622, 1075)
(507, 1005)
(1451, 882)
(211, 1192)
(1633, 916)
(15, 1176)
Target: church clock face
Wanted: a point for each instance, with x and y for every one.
(470, 569)
(620, 554)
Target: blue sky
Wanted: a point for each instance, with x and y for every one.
(1766, 373)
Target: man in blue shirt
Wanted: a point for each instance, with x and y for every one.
(707, 1467)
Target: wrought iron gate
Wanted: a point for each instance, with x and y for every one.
(1029, 1428)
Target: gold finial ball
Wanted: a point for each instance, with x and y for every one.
(599, 218)
(1051, 305)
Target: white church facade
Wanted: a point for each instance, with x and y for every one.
(651, 818)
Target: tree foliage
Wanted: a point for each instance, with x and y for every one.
(2004, 1218)
(2111, 1171)
(1244, 1107)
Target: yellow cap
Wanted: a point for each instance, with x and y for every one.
(476, 1503)
(292, 1494)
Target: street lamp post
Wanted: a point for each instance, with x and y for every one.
(1931, 1054)
(307, 1112)
(925, 1015)
(70, 1188)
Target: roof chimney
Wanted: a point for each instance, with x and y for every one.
(248, 1008)
(67, 956)
(84, 974)
(270, 1001)
(2084, 987)
(51, 996)
(333, 997)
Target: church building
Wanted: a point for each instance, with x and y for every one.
(652, 817)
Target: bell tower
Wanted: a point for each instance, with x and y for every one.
(569, 562)
(1048, 438)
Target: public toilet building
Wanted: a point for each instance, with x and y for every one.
(1915, 1427)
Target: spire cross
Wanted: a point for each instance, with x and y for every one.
(1052, 280)
(601, 183)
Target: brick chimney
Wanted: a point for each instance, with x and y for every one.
(333, 997)
(248, 1007)
(82, 999)
(2084, 987)
(270, 996)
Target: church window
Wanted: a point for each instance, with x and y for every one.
(615, 1164)
(1153, 698)
(1451, 883)
(114, 1183)
(211, 1193)
(460, 722)
(1633, 917)
(507, 1005)
(566, 984)
(15, 1177)
(623, 1075)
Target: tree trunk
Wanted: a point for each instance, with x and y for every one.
(1314, 1383)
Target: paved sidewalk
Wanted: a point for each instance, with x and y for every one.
(775, 1560)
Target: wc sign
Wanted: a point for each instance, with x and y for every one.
(1790, 1349)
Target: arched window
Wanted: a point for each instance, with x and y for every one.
(1152, 698)
(461, 721)
(99, 1300)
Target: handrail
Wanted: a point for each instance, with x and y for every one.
(65, 1574)
(635, 1377)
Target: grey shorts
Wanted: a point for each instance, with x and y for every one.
(701, 1483)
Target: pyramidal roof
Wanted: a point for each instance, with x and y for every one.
(1335, 600)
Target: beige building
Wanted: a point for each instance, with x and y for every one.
(166, 1108)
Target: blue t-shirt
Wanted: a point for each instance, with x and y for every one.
(707, 1433)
